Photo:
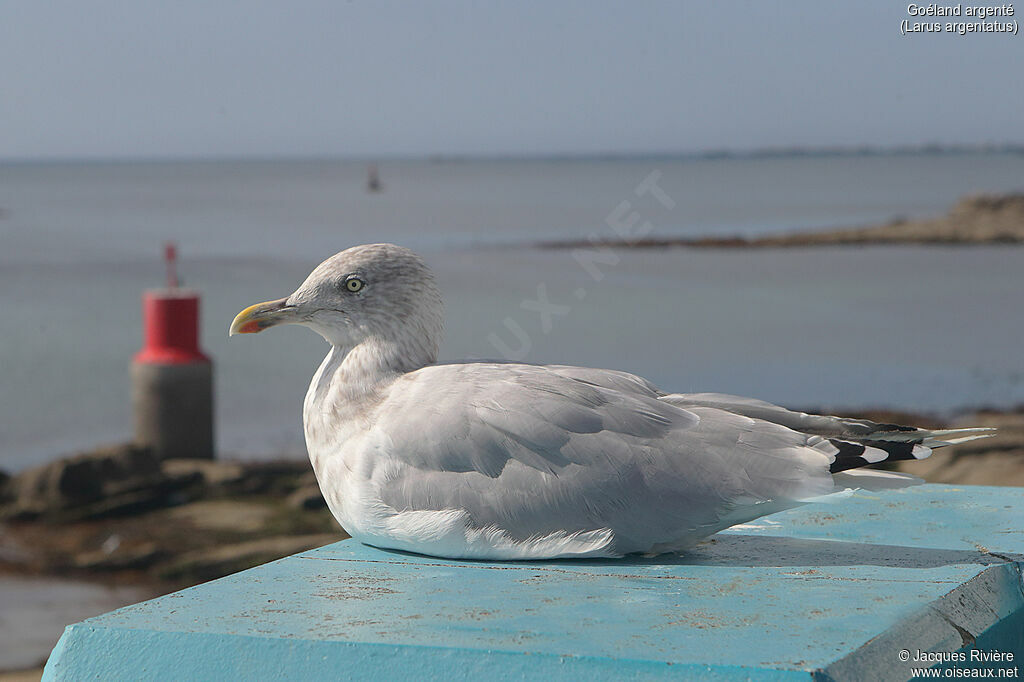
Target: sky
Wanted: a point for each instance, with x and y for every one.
(213, 78)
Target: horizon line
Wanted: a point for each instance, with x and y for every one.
(709, 154)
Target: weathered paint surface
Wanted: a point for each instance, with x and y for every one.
(831, 590)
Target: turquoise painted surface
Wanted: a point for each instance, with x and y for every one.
(777, 598)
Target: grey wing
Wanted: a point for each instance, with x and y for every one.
(859, 442)
(822, 425)
(608, 378)
(533, 450)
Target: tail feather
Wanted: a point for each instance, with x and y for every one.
(941, 438)
(931, 438)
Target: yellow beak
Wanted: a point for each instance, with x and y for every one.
(258, 317)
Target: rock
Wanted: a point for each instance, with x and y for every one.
(120, 559)
(223, 515)
(274, 478)
(218, 477)
(973, 205)
(308, 498)
(5, 488)
(111, 481)
(13, 551)
(128, 479)
(213, 563)
(222, 478)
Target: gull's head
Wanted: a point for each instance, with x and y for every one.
(379, 292)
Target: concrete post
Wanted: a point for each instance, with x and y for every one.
(172, 380)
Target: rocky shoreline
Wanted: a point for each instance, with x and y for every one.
(118, 515)
(974, 220)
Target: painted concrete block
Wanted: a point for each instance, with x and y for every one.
(833, 591)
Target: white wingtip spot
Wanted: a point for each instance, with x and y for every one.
(873, 455)
(921, 451)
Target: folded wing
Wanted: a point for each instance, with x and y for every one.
(532, 450)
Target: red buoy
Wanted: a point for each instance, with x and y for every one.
(172, 379)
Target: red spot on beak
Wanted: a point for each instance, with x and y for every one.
(249, 327)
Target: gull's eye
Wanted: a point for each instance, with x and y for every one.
(354, 284)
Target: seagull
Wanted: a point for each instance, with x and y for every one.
(507, 460)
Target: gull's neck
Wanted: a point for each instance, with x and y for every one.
(350, 382)
(355, 373)
(352, 379)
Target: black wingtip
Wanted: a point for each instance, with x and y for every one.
(853, 455)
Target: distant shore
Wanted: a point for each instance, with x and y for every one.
(974, 220)
(611, 154)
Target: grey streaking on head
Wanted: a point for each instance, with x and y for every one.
(517, 461)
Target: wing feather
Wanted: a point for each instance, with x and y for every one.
(534, 449)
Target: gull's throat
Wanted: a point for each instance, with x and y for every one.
(358, 373)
